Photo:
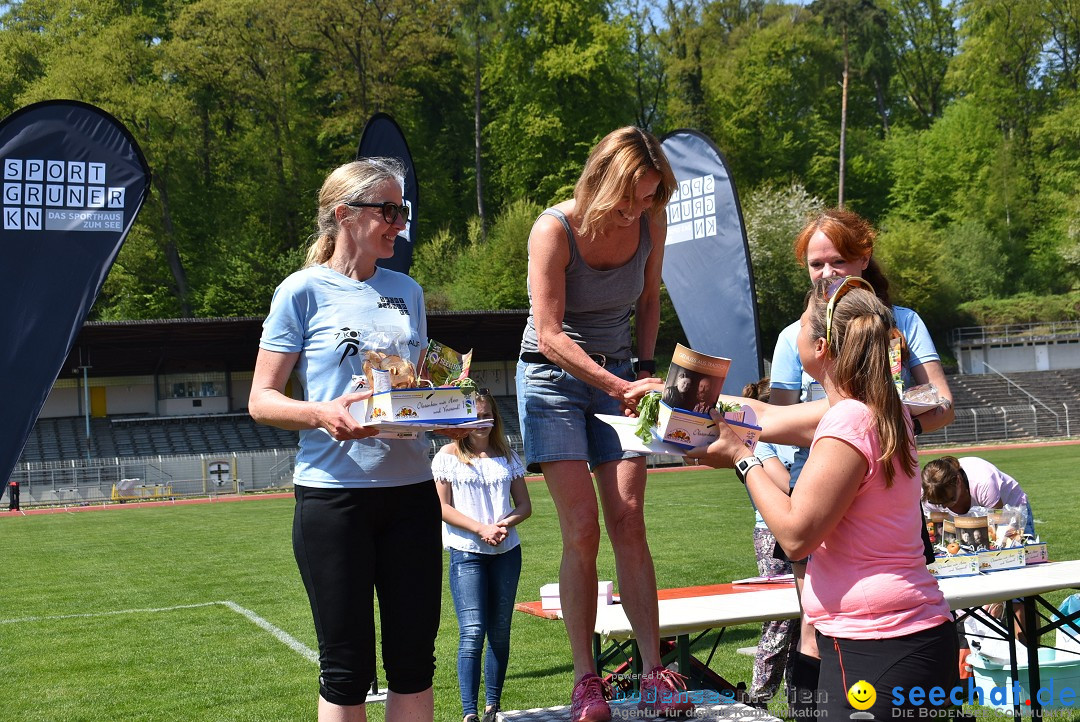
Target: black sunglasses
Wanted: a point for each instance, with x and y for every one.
(390, 211)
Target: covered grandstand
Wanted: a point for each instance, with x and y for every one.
(165, 402)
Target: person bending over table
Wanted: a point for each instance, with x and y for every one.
(878, 613)
(956, 485)
(592, 260)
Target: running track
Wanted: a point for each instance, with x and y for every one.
(109, 506)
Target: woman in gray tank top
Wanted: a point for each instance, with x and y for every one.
(592, 260)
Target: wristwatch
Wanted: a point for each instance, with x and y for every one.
(744, 465)
(647, 365)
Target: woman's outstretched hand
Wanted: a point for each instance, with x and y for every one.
(722, 453)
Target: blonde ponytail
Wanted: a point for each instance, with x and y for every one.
(859, 345)
(353, 181)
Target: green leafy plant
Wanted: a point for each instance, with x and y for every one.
(648, 412)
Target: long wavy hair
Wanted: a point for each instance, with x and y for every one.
(853, 236)
(614, 168)
(466, 451)
(355, 181)
(859, 346)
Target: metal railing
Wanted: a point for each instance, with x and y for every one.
(1002, 423)
(78, 482)
(281, 473)
(1013, 333)
(1010, 384)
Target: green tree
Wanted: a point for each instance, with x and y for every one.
(770, 97)
(773, 217)
(255, 150)
(860, 25)
(559, 80)
(465, 274)
(1062, 51)
(908, 251)
(682, 57)
(109, 54)
(922, 40)
(940, 175)
(1002, 59)
(647, 71)
(971, 261)
(493, 275)
(1056, 153)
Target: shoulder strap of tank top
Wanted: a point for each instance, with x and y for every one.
(570, 239)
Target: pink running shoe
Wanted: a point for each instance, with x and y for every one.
(588, 703)
(664, 693)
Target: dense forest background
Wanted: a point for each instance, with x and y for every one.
(960, 132)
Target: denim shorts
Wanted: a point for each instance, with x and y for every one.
(557, 413)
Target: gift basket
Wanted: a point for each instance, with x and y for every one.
(440, 394)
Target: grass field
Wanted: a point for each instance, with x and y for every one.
(196, 612)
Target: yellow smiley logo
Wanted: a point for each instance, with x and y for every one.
(862, 695)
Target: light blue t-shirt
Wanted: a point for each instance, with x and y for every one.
(764, 450)
(787, 370)
(330, 319)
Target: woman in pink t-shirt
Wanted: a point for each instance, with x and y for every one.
(878, 612)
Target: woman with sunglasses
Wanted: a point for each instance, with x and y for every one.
(593, 260)
(367, 513)
(878, 613)
(840, 243)
(481, 484)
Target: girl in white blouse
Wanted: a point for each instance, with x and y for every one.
(481, 483)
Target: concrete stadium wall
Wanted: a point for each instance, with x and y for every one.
(125, 396)
(1053, 356)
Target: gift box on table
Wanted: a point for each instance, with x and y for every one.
(994, 559)
(956, 565)
(1036, 553)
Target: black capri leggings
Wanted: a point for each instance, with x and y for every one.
(925, 659)
(353, 543)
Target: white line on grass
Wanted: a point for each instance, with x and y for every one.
(292, 642)
(280, 634)
(107, 614)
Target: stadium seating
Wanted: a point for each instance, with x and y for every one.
(65, 438)
(988, 408)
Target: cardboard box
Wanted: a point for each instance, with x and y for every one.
(549, 595)
(958, 565)
(687, 429)
(995, 559)
(448, 405)
(1036, 553)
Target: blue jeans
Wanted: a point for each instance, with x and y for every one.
(483, 587)
(558, 416)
